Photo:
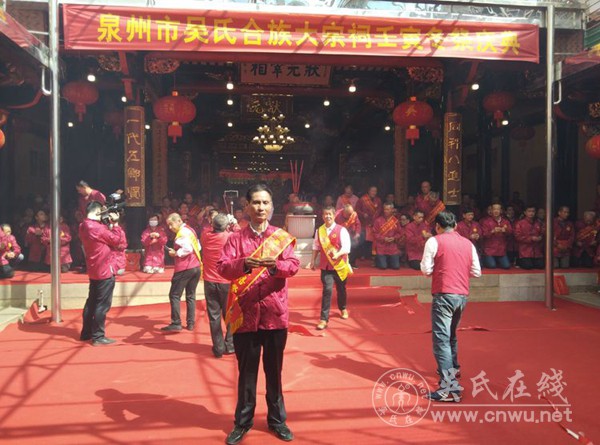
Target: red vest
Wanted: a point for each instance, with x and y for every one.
(190, 261)
(336, 241)
(452, 264)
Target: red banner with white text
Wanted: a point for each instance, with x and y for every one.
(126, 29)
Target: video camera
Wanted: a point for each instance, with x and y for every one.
(115, 203)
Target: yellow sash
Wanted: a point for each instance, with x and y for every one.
(370, 204)
(340, 265)
(273, 246)
(388, 225)
(439, 207)
(195, 244)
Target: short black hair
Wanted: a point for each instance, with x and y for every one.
(467, 210)
(258, 188)
(446, 220)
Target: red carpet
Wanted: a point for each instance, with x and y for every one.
(157, 389)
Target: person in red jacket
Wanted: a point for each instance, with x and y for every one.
(348, 218)
(529, 235)
(65, 245)
(10, 252)
(388, 233)
(468, 227)
(450, 260)
(495, 229)
(216, 287)
(186, 254)
(33, 239)
(258, 260)
(154, 239)
(87, 195)
(417, 233)
(369, 208)
(586, 240)
(98, 241)
(564, 237)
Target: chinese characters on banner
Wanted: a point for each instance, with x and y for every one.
(285, 74)
(135, 173)
(126, 29)
(253, 107)
(400, 165)
(160, 187)
(452, 158)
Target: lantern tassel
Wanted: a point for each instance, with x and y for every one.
(412, 133)
(175, 131)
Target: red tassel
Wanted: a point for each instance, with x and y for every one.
(175, 131)
(412, 133)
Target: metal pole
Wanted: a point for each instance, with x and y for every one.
(549, 275)
(54, 159)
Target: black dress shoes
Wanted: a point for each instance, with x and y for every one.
(236, 435)
(282, 432)
(190, 327)
(171, 328)
(103, 341)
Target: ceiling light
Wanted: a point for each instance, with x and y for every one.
(123, 99)
(307, 125)
(230, 101)
(505, 122)
(229, 84)
(326, 103)
(387, 128)
(352, 88)
(91, 77)
(475, 86)
(147, 126)
(230, 124)
(69, 124)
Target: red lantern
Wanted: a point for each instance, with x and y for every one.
(80, 93)
(412, 114)
(522, 133)
(176, 110)
(115, 120)
(2, 139)
(592, 147)
(497, 103)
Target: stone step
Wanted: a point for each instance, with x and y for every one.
(9, 315)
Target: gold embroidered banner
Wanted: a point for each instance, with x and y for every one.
(452, 158)
(135, 171)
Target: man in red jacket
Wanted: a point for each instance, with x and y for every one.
(449, 259)
(216, 287)
(496, 230)
(529, 234)
(564, 238)
(98, 241)
(258, 260)
(186, 255)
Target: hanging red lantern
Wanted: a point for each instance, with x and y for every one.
(176, 110)
(2, 139)
(497, 103)
(80, 93)
(522, 133)
(411, 115)
(592, 147)
(115, 120)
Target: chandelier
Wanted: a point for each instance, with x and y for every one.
(272, 135)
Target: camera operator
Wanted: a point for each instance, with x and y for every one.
(98, 241)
